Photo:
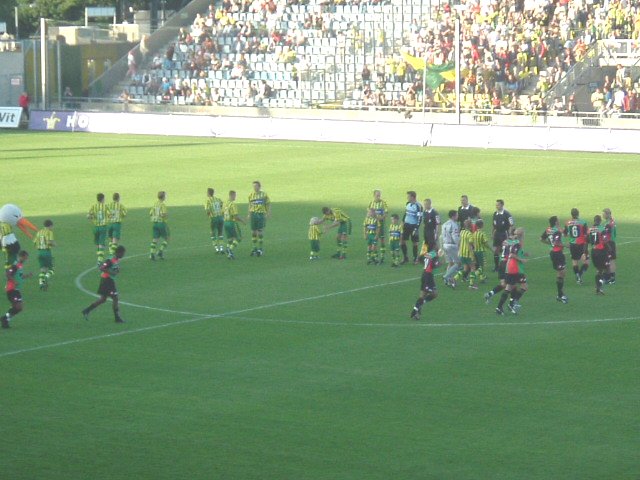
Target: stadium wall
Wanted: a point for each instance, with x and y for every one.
(345, 130)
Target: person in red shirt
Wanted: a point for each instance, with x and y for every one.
(23, 102)
(107, 289)
(15, 277)
(552, 236)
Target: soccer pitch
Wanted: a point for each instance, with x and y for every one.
(281, 368)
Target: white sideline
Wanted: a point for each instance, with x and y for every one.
(196, 317)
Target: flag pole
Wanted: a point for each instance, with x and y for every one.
(457, 60)
(424, 85)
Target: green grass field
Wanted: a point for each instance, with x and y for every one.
(282, 368)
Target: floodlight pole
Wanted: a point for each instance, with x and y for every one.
(457, 64)
(43, 61)
(15, 15)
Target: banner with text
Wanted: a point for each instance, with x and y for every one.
(10, 117)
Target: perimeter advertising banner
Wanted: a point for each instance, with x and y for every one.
(10, 117)
(59, 121)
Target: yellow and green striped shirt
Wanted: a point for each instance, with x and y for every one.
(230, 210)
(213, 207)
(370, 225)
(337, 215)
(158, 212)
(395, 232)
(314, 232)
(380, 207)
(466, 244)
(99, 214)
(480, 242)
(117, 212)
(259, 202)
(44, 239)
(5, 229)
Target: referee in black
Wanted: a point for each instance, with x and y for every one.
(502, 223)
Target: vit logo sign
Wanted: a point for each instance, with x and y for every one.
(10, 117)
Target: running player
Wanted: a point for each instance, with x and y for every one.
(259, 210)
(395, 234)
(99, 215)
(502, 265)
(213, 208)
(381, 209)
(341, 220)
(428, 289)
(231, 227)
(502, 224)
(117, 212)
(411, 223)
(44, 242)
(450, 245)
(15, 277)
(599, 239)
(107, 288)
(160, 229)
(552, 236)
(610, 225)
(576, 230)
(370, 225)
(515, 278)
(314, 238)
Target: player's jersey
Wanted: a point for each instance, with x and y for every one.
(43, 239)
(14, 277)
(474, 222)
(553, 236)
(370, 225)
(506, 248)
(213, 206)
(5, 229)
(465, 249)
(502, 221)
(450, 233)
(612, 229)
(117, 212)
(430, 261)
(258, 202)
(464, 213)
(314, 232)
(431, 220)
(230, 211)
(412, 213)
(395, 232)
(99, 214)
(380, 207)
(158, 212)
(110, 267)
(598, 237)
(480, 242)
(336, 215)
(513, 265)
(576, 230)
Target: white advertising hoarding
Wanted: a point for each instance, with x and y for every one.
(10, 117)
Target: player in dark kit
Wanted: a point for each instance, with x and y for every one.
(515, 278)
(552, 236)
(576, 230)
(15, 277)
(599, 240)
(464, 210)
(428, 290)
(107, 289)
(431, 225)
(502, 223)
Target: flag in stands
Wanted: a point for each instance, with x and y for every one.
(436, 74)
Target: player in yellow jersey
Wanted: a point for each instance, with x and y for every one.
(44, 242)
(395, 234)
(381, 209)
(259, 211)
(99, 215)
(231, 227)
(371, 236)
(466, 252)
(213, 209)
(160, 229)
(481, 245)
(314, 237)
(117, 212)
(341, 220)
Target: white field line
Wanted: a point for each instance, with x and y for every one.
(197, 317)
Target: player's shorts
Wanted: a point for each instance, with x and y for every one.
(410, 232)
(466, 261)
(315, 246)
(498, 238)
(381, 229)
(558, 260)
(479, 256)
(14, 296)
(45, 259)
(160, 230)
(612, 250)
(428, 283)
(100, 235)
(394, 245)
(502, 270)
(577, 250)
(515, 278)
(372, 239)
(344, 228)
(599, 259)
(258, 221)
(115, 230)
(232, 230)
(451, 253)
(217, 224)
(107, 287)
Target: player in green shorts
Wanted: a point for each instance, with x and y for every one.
(44, 242)
(160, 229)
(341, 220)
(381, 209)
(259, 210)
(314, 237)
(395, 234)
(213, 208)
(117, 212)
(99, 215)
(481, 245)
(231, 227)
(371, 236)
